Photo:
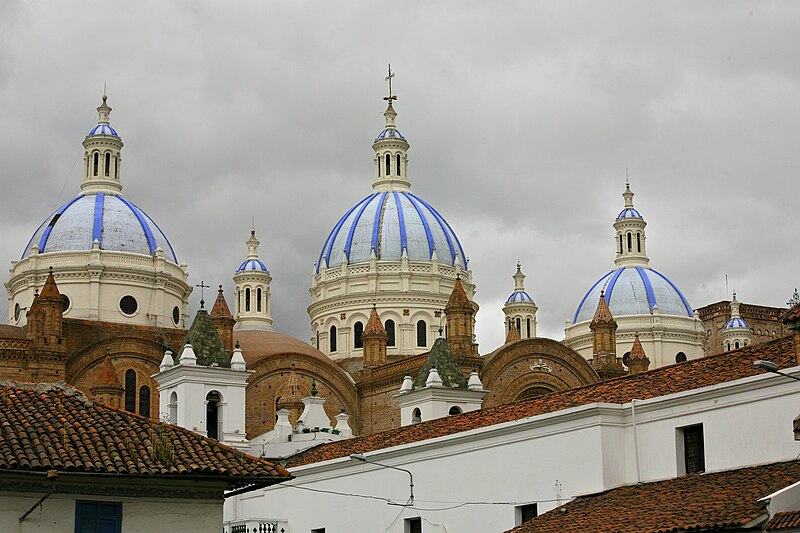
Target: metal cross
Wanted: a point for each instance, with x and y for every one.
(389, 79)
(202, 286)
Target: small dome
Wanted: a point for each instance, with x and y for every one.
(736, 322)
(103, 129)
(519, 297)
(252, 265)
(634, 291)
(389, 222)
(629, 212)
(389, 133)
(110, 219)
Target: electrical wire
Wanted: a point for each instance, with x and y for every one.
(387, 528)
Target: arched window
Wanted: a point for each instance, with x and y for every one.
(213, 414)
(247, 299)
(388, 165)
(389, 327)
(358, 330)
(422, 334)
(630, 248)
(621, 249)
(729, 347)
(398, 164)
(333, 338)
(638, 242)
(519, 326)
(258, 303)
(130, 390)
(455, 410)
(144, 400)
(115, 166)
(416, 416)
(107, 169)
(317, 339)
(94, 166)
(173, 408)
(680, 357)
(736, 345)
(528, 326)
(87, 166)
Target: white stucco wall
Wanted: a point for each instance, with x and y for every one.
(57, 514)
(586, 449)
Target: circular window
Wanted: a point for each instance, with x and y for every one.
(680, 357)
(626, 359)
(17, 312)
(176, 315)
(65, 302)
(128, 305)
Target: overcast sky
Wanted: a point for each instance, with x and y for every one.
(522, 118)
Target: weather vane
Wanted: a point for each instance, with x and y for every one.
(202, 286)
(389, 79)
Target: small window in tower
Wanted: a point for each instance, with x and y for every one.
(107, 168)
(333, 338)
(258, 301)
(416, 416)
(736, 345)
(728, 349)
(65, 303)
(680, 357)
(17, 311)
(630, 239)
(238, 302)
(638, 242)
(389, 327)
(317, 340)
(528, 328)
(116, 167)
(130, 390)
(422, 334)
(621, 249)
(398, 164)
(519, 325)
(176, 315)
(144, 400)
(388, 165)
(358, 330)
(247, 299)
(455, 410)
(94, 166)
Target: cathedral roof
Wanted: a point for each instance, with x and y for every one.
(519, 297)
(637, 350)
(390, 222)
(116, 223)
(220, 308)
(374, 325)
(442, 358)
(458, 298)
(634, 290)
(629, 212)
(103, 129)
(389, 133)
(253, 265)
(736, 322)
(205, 340)
(50, 289)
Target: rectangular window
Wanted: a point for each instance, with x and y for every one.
(413, 525)
(98, 517)
(523, 513)
(691, 449)
(318, 530)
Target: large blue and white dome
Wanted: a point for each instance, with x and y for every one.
(389, 222)
(116, 223)
(634, 290)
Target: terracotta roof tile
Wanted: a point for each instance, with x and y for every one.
(670, 379)
(220, 309)
(603, 313)
(458, 298)
(50, 289)
(637, 351)
(787, 520)
(374, 325)
(55, 427)
(108, 375)
(695, 502)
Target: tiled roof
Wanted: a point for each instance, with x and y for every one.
(205, 340)
(788, 520)
(458, 298)
(695, 502)
(442, 358)
(637, 350)
(107, 377)
(670, 379)
(50, 289)
(220, 309)
(603, 313)
(374, 325)
(792, 315)
(55, 427)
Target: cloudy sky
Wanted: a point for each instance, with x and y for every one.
(522, 118)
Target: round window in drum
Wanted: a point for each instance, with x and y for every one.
(128, 305)
(176, 315)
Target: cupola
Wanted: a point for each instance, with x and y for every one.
(391, 151)
(630, 238)
(101, 158)
(520, 309)
(252, 306)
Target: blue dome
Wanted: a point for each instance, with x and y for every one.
(389, 133)
(629, 212)
(389, 222)
(252, 265)
(634, 291)
(103, 129)
(519, 297)
(736, 323)
(114, 221)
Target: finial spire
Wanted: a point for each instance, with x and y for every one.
(202, 286)
(389, 79)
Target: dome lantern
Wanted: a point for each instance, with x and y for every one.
(391, 151)
(103, 147)
(630, 237)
